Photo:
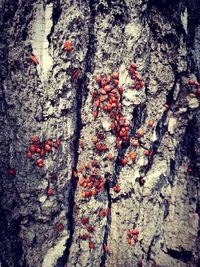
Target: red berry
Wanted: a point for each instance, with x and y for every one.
(198, 91)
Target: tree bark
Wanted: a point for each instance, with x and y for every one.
(54, 100)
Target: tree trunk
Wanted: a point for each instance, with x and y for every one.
(43, 209)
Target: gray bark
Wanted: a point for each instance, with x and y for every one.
(163, 39)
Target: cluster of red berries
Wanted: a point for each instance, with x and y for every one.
(135, 76)
(196, 85)
(41, 148)
(90, 179)
(132, 236)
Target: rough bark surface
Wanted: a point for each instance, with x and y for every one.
(163, 39)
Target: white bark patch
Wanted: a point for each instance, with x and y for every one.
(41, 28)
(54, 253)
(172, 125)
(133, 31)
(192, 101)
(184, 19)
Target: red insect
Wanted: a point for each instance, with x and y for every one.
(12, 171)
(98, 78)
(91, 245)
(105, 248)
(59, 227)
(124, 161)
(29, 154)
(84, 220)
(100, 214)
(42, 152)
(35, 139)
(38, 150)
(117, 188)
(32, 148)
(40, 163)
(47, 147)
(135, 231)
(85, 236)
(192, 82)
(34, 59)
(75, 173)
(139, 263)
(107, 212)
(90, 228)
(76, 74)
(68, 46)
(49, 191)
(49, 142)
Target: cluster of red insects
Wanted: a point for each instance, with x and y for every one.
(41, 148)
(135, 76)
(90, 229)
(107, 98)
(195, 85)
(90, 179)
(132, 236)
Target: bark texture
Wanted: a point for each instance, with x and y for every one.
(163, 39)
